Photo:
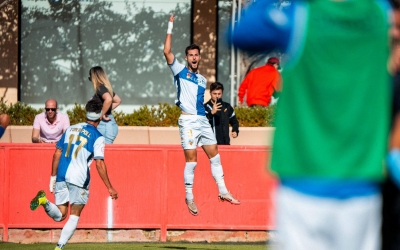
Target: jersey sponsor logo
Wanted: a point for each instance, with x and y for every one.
(202, 82)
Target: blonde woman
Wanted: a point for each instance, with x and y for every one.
(104, 91)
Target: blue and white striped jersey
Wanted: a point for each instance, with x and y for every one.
(80, 144)
(190, 89)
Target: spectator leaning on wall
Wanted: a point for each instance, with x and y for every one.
(49, 126)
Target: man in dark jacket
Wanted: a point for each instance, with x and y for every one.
(220, 114)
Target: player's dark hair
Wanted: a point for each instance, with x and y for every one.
(216, 86)
(94, 105)
(190, 47)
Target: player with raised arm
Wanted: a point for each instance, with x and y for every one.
(194, 127)
(70, 178)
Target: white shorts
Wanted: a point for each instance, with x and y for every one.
(307, 222)
(67, 192)
(195, 130)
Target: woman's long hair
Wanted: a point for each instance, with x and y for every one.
(98, 76)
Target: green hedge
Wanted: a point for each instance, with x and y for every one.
(164, 115)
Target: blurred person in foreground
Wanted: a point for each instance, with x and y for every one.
(49, 126)
(261, 85)
(220, 115)
(332, 117)
(391, 186)
(4, 122)
(70, 172)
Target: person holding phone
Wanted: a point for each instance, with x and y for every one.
(220, 114)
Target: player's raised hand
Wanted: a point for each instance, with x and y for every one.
(113, 193)
(172, 18)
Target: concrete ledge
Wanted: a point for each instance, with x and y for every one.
(132, 135)
(6, 138)
(254, 136)
(164, 135)
(258, 136)
(21, 134)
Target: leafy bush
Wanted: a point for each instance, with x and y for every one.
(77, 114)
(255, 117)
(164, 115)
(20, 113)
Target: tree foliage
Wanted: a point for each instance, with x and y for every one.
(61, 43)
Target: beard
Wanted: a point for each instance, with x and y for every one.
(193, 67)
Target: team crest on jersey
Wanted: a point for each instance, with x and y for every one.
(191, 142)
(188, 75)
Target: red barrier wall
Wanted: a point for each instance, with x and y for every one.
(149, 179)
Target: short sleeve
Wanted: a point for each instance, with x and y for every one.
(98, 147)
(66, 123)
(176, 67)
(36, 123)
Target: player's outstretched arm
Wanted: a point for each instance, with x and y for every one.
(56, 160)
(54, 168)
(168, 41)
(102, 170)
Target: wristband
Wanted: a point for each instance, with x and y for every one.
(170, 26)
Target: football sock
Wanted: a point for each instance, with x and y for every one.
(52, 211)
(188, 175)
(218, 174)
(68, 229)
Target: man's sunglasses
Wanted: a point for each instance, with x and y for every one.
(52, 109)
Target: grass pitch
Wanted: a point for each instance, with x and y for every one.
(134, 246)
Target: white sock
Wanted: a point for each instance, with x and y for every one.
(218, 174)
(188, 175)
(68, 229)
(53, 211)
